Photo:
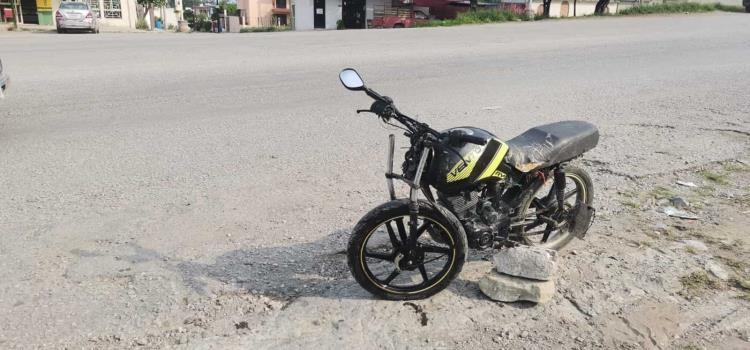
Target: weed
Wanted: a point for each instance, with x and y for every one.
(743, 200)
(744, 296)
(264, 29)
(690, 347)
(630, 204)
(736, 167)
(697, 281)
(744, 284)
(720, 179)
(142, 24)
(668, 8)
(737, 265)
(661, 192)
(475, 17)
(729, 8)
(690, 250)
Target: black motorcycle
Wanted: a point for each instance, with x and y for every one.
(487, 194)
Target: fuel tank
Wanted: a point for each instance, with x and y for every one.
(450, 174)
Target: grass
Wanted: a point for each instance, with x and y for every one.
(729, 8)
(141, 24)
(667, 8)
(690, 347)
(475, 17)
(678, 8)
(661, 192)
(690, 250)
(744, 284)
(631, 204)
(697, 281)
(736, 168)
(716, 178)
(500, 16)
(264, 29)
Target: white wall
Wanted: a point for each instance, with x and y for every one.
(303, 15)
(333, 13)
(304, 18)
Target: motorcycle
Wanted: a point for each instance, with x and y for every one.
(4, 80)
(479, 192)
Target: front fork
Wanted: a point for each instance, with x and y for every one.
(414, 188)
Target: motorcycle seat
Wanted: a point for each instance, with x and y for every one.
(551, 144)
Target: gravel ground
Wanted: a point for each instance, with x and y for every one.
(197, 190)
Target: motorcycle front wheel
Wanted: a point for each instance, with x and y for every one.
(382, 262)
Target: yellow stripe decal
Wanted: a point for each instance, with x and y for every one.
(495, 163)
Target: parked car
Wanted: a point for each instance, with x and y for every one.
(3, 80)
(406, 21)
(76, 16)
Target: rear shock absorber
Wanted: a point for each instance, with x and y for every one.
(560, 188)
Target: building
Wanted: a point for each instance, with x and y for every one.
(112, 13)
(264, 13)
(119, 13)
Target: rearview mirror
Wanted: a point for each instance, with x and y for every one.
(351, 79)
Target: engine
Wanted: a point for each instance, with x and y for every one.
(479, 217)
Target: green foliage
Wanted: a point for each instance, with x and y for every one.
(224, 5)
(264, 29)
(141, 24)
(201, 23)
(475, 17)
(152, 3)
(668, 8)
(661, 192)
(729, 8)
(697, 281)
(189, 16)
(716, 178)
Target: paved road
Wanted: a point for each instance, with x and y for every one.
(144, 177)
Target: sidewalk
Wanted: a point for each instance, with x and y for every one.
(4, 27)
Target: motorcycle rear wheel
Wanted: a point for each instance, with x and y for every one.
(382, 264)
(579, 189)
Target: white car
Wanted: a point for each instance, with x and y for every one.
(76, 16)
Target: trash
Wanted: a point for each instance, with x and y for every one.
(717, 270)
(679, 202)
(674, 212)
(697, 245)
(686, 184)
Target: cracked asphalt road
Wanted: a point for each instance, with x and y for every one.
(160, 190)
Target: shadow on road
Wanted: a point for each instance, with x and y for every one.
(315, 269)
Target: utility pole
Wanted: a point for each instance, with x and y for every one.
(15, 13)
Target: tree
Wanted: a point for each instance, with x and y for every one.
(601, 6)
(149, 6)
(546, 4)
